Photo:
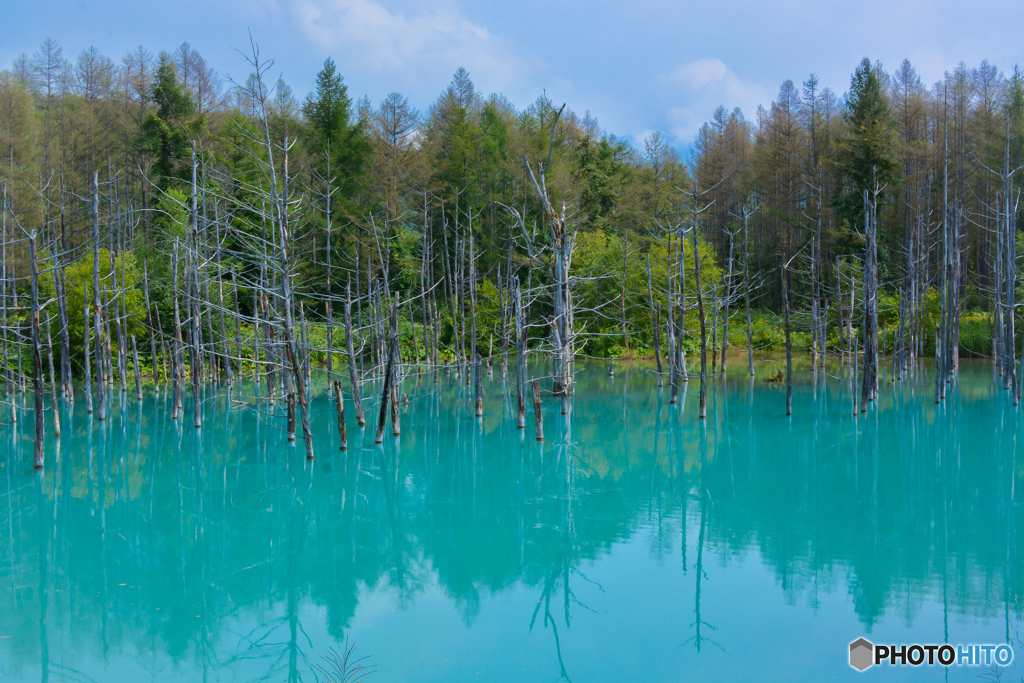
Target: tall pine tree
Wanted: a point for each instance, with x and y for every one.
(333, 130)
(169, 130)
(866, 156)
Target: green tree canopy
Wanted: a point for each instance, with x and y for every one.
(865, 157)
(168, 132)
(332, 131)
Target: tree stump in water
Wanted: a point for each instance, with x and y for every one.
(538, 420)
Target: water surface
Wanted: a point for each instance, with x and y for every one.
(636, 543)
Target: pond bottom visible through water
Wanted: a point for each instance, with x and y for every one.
(635, 543)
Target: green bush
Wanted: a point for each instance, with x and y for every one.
(976, 334)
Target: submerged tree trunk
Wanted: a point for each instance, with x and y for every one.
(538, 420)
(342, 433)
(478, 388)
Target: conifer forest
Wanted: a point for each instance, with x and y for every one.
(188, 258)
(164, 226)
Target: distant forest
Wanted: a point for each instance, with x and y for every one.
(445, 205)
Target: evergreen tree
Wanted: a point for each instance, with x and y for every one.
(454, 137)
(602, 176)
(865, 157)
(168, 132)
(332, 129)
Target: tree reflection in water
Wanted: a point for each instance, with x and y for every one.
(154, 551)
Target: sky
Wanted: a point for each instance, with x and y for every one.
(638, 67)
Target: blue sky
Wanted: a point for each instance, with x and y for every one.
(636, 67)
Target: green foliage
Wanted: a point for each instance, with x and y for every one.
(78, 278)
(488, 314)
(599, 266)
(173, 211)
(888, 310)
(494, 144)
(465, 161)
(169, 130)
(602, 176)
(240, 152)
(454, 139)
(976, 334)
(866, 154)
(767, 332)
(975, 326)
(329, 111)
(335, 136)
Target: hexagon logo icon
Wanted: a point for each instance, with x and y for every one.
(861, 654)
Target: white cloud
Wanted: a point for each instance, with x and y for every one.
(640, 139)
(700, 73)
(700, 87)
(411, 50)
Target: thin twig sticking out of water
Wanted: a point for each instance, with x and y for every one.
(343, 668)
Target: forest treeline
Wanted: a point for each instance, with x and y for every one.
(117, 162)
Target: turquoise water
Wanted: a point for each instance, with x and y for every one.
(636, 543)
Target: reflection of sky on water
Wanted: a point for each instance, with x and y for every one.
(153, 552)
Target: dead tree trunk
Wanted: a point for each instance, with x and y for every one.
(101, 401)
(238, 325)
(226, 353)
(716, 304)
(290, 402)
(62, 312)
(386, 391)
(789, 342)
(479, 388)
(520, 358)
(622, 295)
(357, 401)
(53, 382)
(656, 340)
(149, 323)
(85, 341)
(502, 288)
(703, 324)
(138, 373)
(329, 302)
(396, 380)
(342, 433)
(562, 242)
(727, 303)
(853, 379)
(746, 293)
(195, 311)
(538, 420)
(870, 307)
(37, 359)
(177, 371)
(3, 294)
